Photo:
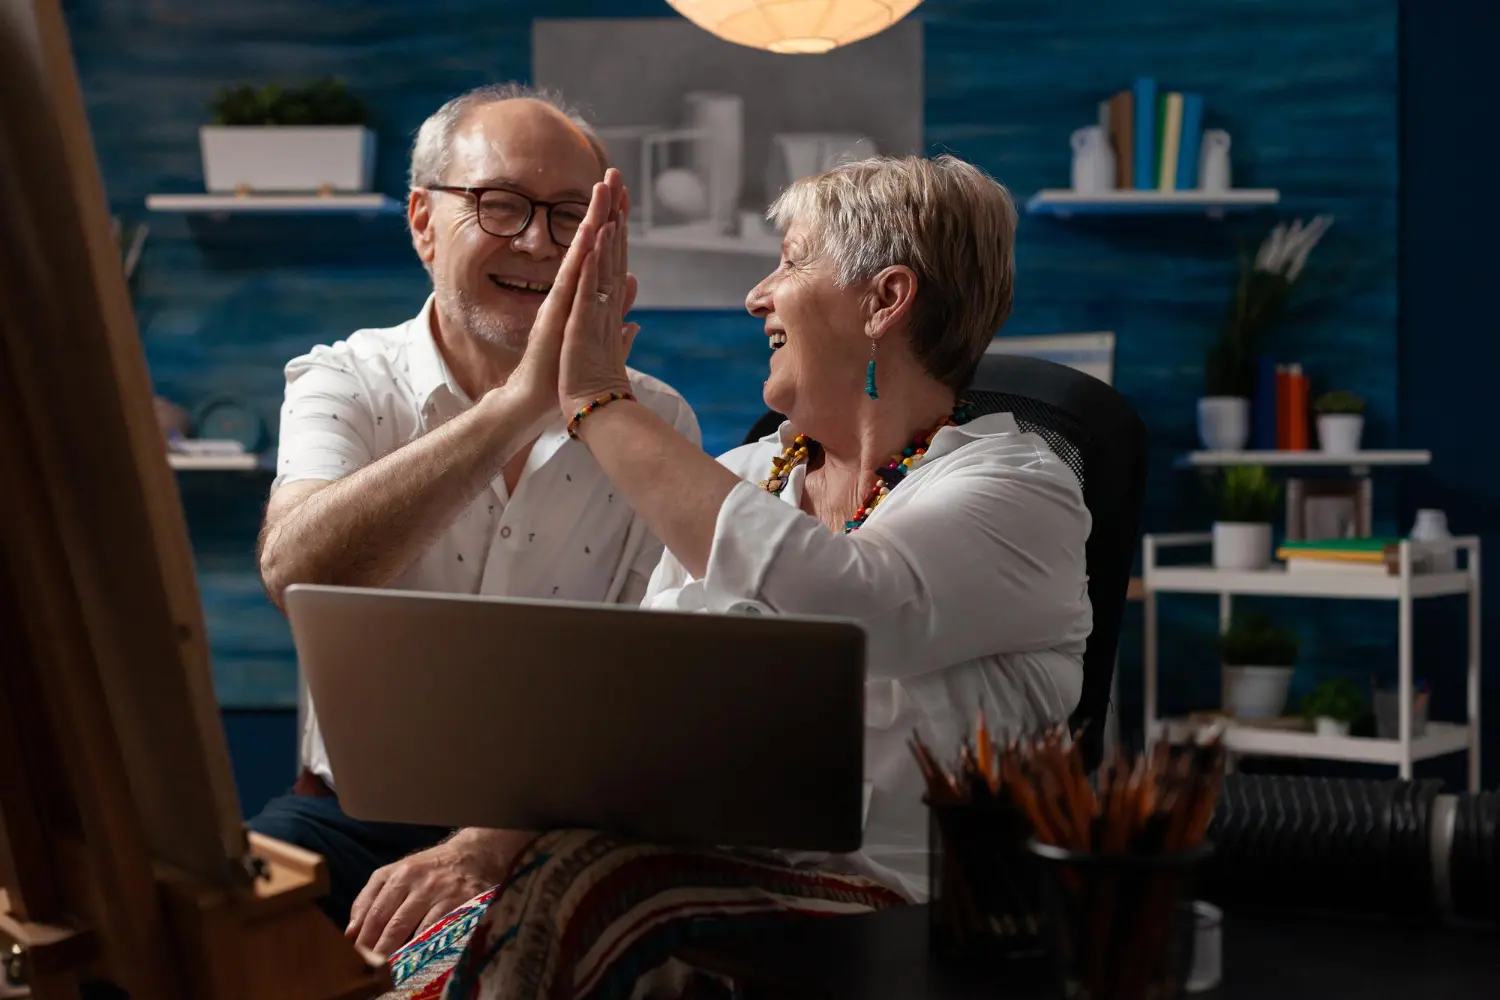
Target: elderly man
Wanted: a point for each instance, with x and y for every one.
(418, 457)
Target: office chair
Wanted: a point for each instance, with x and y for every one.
(1099, 436)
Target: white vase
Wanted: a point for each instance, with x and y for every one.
(287, 158)
(1213, 161)
(1224, 422)
(1431, 529)
(1339, 433)
(1326, 725)
(1256, 692)
(718, 155)
(1241, 546)
(1093, 160)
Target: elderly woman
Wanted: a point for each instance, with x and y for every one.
(956, 540)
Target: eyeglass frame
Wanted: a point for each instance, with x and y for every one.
(478, 193)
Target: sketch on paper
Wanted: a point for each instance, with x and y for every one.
(707, 133)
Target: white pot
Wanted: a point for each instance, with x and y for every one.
(1241, 546)
(1325, 725)
(287, 158)
(1224, 422)
(1339, 433)
(1256, 692)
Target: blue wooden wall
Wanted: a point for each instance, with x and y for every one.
(1308, 91)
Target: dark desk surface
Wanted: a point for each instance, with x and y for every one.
(883, 956)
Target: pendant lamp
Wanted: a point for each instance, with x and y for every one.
(794, 26)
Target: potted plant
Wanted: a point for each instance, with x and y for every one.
(1333, 705)
(1263, 287)
(1341, 421)
(311, 138)
(1247, 497)
(1257, 659)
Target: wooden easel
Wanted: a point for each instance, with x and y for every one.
(121, 843)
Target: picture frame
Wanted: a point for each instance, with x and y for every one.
(1329, 508)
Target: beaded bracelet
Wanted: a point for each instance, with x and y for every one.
(592, 406)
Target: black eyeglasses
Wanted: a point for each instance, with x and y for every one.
(504, 213)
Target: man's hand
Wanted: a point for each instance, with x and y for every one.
(407, 897)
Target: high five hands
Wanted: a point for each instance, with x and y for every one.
(580, 340)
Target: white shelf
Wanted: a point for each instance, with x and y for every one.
(1402, 589)
(1278, 582)
(215, 463)
(1359, 459)
(1438, 739)
(285, 204)
(1065, 201)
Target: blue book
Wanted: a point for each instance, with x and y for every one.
(1263, 405)
(1145, 134)
(1192, 138)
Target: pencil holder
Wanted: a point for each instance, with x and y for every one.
(1119, 927)
(984, 899)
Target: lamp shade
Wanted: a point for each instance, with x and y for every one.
(797, 26)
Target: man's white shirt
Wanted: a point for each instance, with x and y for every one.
(565, 534)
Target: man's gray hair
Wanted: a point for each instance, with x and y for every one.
(433, 149)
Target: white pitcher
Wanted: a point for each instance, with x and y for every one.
(1213, 161)
(1093, 161)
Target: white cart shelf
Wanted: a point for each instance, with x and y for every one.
(1402, 588)
(1359, 462)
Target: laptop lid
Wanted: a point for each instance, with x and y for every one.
(458, 710)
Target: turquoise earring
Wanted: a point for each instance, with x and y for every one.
(870, 389)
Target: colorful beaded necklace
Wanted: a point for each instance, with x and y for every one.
(887, 477)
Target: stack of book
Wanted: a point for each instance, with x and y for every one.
(1342, 555)
(1156, 137)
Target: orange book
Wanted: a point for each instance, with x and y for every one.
(1297, 415)
(1283, 411)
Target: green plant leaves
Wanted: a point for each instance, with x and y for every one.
(321, 102)
(1247, 494)
(1339, 401)
(1335, 697)
(1253, 641)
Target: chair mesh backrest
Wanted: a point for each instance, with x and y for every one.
(1059, 430)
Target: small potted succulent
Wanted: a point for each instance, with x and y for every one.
(1257, 659)
(1247, 498)
(1341, 421)
(1333, 705)
(310, 139)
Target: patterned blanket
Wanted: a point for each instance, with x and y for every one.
(588, 916)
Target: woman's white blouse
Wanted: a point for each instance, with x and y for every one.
(969, 578)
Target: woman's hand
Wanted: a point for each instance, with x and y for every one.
(596, 339)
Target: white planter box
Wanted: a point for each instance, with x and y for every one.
(283, 158)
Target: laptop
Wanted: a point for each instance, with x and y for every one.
(669, 727)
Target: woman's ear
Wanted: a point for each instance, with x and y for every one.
(419, 218)
(892, 293)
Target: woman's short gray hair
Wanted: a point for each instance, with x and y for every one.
(947, 220)
(432, 150)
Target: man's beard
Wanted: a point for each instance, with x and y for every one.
(506, 332)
